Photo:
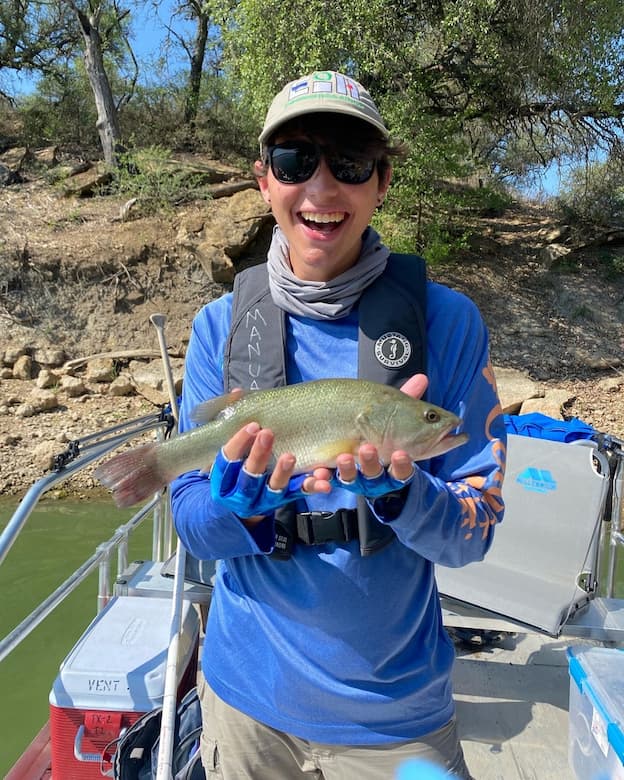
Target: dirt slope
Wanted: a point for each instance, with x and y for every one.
(73, 276)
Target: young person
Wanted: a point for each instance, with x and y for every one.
(325, 655)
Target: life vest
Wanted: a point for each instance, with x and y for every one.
(392, 346)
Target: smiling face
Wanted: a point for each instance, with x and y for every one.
(323, 219)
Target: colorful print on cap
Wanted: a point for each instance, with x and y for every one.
(324, 82)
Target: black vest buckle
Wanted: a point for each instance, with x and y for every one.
(320, 527)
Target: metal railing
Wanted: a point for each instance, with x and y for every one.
(81, 454)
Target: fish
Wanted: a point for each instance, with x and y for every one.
(315, 421)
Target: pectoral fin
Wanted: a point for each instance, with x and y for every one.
(328, 452)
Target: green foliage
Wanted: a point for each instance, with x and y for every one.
(60, 111)
(594, 194)
(156, 181)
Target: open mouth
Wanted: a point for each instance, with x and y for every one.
(324, 222)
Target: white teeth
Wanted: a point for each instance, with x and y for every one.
(312, 216)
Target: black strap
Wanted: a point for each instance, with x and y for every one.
(320, 527)
(312, 528)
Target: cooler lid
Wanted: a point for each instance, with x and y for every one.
(120, 661)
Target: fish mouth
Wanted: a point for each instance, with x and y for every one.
(448, 441)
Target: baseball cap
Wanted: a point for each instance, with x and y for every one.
(323, 90)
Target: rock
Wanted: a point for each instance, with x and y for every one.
(6, 373)
(551, 404)
(73, 386)
(12, 353)
(7, 176)
(50, 357)
(86, 184)
(150, 375)
(47, 156)
(25, 410)
(217, 265)
(15, 158)
(22, 368)
(100, 370)
(514, 388)
(229, 228)
(121, 386)
(44, 454)
(43, 400)
(46, 379)
(554, 253)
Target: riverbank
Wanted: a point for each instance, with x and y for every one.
(78, 280)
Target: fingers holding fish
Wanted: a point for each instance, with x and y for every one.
(237, 447)
(367, 475)
(401, 466)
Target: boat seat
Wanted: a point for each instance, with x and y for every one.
(156, 579)
(541, 571)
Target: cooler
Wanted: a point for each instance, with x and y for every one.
(114, 674)
(596, 743)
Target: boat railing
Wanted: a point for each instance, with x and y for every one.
(81, 454)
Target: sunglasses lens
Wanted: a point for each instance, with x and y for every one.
(350, 170)
(293, 163)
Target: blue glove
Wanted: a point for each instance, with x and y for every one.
(248, 494)
(371, 487)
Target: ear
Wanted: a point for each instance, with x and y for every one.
(263, 181)
(383, 185)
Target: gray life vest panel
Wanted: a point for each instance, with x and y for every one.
(392, 346)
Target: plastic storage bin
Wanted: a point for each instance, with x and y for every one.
(596, 741)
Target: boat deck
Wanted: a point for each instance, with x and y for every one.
(512, 708)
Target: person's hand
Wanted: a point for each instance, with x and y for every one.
(240, 482)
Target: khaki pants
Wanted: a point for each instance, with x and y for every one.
(237, 747)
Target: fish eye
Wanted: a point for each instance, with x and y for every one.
(432, 416)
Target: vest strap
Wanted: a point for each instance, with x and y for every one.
(309, 528)
(320, 527)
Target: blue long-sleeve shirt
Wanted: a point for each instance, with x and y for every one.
(329, 645)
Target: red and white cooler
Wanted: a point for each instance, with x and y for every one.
(113, 675)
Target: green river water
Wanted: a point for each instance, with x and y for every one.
(59, 536)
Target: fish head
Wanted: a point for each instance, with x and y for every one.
(422, 429)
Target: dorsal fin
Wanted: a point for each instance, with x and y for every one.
(208, 410)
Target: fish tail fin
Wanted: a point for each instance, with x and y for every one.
(134, 475)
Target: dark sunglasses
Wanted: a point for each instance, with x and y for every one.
(293, 162)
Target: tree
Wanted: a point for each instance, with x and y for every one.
(44, 37)
(107, 123)
(494, 74)
(35, 38)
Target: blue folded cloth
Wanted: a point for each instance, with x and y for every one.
(540, 426)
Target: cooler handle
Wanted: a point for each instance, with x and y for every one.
(78, 754)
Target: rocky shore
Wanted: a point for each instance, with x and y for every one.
(82, 273)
